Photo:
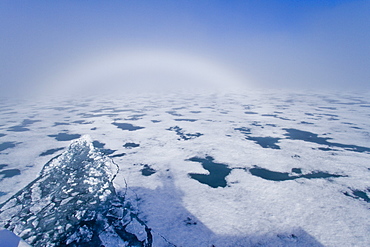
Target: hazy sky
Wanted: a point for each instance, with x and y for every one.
(72, 45)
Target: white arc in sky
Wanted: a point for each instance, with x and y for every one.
(146, 70)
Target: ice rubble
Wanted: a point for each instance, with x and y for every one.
(73, 203)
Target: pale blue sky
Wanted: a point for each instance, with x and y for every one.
(322, 44)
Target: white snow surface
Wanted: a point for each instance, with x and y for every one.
(250, 210)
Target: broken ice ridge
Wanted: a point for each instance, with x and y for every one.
(73, 203)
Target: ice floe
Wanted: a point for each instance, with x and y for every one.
(255, 168)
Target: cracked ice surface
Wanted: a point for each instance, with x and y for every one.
(297, 166)
(73, 202)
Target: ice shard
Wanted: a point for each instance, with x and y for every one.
(73, 203)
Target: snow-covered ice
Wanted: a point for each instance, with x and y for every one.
(249, 169)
